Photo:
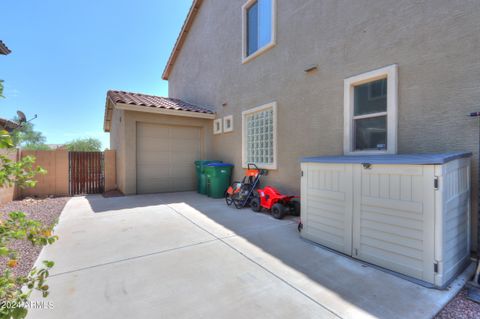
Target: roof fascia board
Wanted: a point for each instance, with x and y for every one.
(157, 110)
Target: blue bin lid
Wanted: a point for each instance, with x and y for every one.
(219, 164)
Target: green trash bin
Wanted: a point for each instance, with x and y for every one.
(218, 178)
(201, 177)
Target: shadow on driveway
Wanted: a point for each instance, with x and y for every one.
(329, 278)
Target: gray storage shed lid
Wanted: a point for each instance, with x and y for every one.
(414, 159)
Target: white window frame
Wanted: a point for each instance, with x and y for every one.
(217, 126)
(273, 106)
(391, 74)
(245, 57)
(226, 128)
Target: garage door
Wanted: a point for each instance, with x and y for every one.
(165, 157)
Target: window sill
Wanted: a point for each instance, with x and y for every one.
(271, 167)
(258, 53)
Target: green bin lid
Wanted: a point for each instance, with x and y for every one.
(220, 165)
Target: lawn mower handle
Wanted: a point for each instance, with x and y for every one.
(262, 171)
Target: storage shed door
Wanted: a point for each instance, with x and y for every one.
(327, 205)
(393, 220)
(165, 157)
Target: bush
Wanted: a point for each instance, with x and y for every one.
(15, 290)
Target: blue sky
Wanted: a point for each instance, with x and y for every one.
(67, 54)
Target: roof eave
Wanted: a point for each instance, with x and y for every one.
(107, 120)
(159, 110)
(181, 37)
(4, 49)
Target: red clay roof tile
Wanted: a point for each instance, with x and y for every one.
(4, 49)
(155, 101)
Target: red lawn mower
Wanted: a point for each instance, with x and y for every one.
(280, 205)
(241, 193)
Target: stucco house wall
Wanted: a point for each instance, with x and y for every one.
(117, 143)
(434, 43)
(123, 139)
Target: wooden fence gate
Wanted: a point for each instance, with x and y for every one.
(86, 172)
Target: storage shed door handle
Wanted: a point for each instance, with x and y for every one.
(367, 165)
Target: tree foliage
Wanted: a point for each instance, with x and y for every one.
(26, 136)
(13, 299)
(36, 147)
(84, 145)
(15, 290)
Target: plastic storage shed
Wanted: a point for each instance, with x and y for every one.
(406, 213)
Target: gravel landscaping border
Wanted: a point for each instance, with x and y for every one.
(46, 211)
(460, 308)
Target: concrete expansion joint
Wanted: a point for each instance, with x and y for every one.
(256, 263)
(134, 257)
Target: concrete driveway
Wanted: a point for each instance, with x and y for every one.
(183, 255)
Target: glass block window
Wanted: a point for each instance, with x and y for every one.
(259, 136)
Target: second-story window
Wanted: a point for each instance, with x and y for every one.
(258, 27)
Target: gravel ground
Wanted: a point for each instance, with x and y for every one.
(460, 308)
(46, 211)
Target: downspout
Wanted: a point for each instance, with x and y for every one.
(473, 291)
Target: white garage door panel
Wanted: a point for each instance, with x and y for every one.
(392, 224)
(165, 157)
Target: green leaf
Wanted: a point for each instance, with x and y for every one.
(5, 139)
(84, 145)
(4, 251)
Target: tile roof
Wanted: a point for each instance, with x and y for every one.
(3, 48)
(8, 125)
(151, 104)
(138, 99)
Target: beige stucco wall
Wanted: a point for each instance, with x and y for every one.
(123, 140)
(110, 169)
(435, 43)
(117, 143)
(55, 181)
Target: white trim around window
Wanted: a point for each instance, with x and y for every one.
(228, 124)
(390, 73)
(264, 119)
(245, 57)
(217, 126)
